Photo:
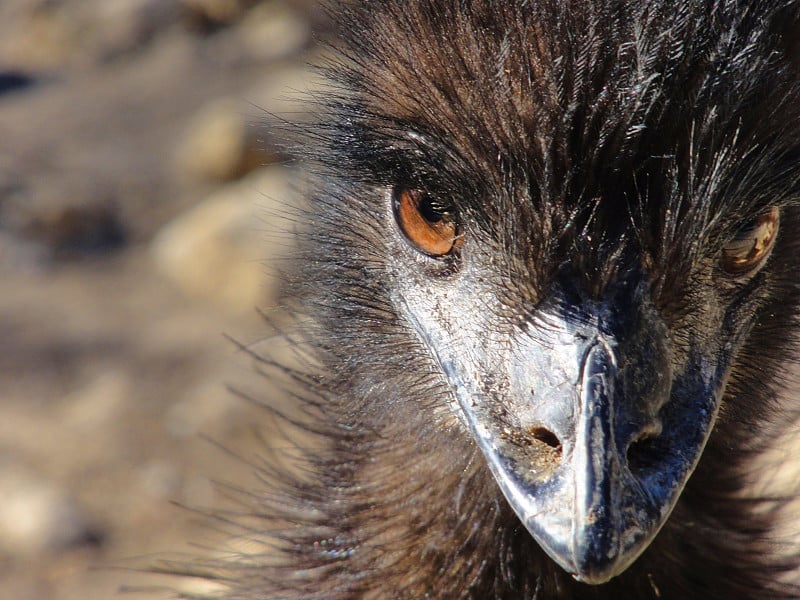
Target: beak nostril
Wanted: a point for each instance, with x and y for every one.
(547, 437)
(646, 452)
(535, 452)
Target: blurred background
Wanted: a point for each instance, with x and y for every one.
(141, 192)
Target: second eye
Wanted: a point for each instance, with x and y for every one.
(750, 247)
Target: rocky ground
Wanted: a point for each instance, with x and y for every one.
(142, 188)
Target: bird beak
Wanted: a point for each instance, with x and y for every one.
(597, 436)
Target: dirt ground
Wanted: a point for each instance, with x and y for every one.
(140, 189)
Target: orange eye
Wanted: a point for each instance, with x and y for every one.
(752, 244)
(426, 224)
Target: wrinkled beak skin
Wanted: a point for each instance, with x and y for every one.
(591, 423)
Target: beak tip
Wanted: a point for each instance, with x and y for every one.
(592, 561)
(595, 570)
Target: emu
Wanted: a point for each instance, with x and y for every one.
(552, 273)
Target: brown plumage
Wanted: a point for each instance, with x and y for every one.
(624, 168)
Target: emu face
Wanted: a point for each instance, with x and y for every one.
(582, 214)
(590, 396)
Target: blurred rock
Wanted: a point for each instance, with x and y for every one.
(122, 27)
(216, 249)
(273, 30)
(98, 404)
(208, 15)
(62, 231)
(37, 517)
(207, 406)
(36, 35)
(160, 479)
(15, 81)
(220, 144)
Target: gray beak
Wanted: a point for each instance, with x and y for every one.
(597, 436)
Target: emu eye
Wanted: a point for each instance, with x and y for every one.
(752, 244)
(428, 225)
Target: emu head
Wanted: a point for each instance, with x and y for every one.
(584, 215)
